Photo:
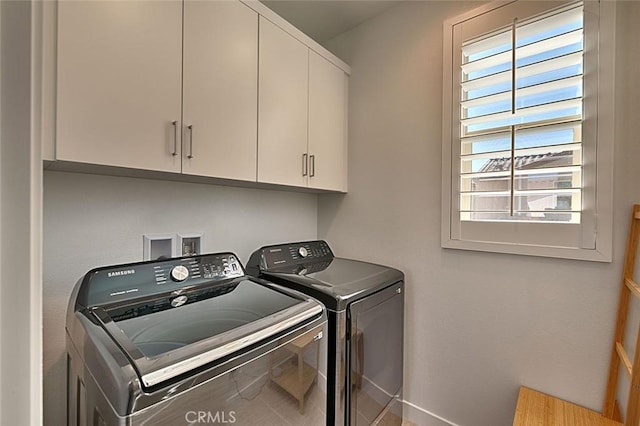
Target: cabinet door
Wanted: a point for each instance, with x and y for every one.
(282, 112)
(119, 83)
(327, 125)
(220, 90)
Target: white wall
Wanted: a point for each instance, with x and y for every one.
(478, 325)
(92, 221)
(20, 224)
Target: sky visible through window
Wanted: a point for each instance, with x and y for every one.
(502, 71)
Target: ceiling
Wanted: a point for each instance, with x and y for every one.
(324, 19)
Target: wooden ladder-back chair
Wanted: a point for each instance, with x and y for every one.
(619, 355)
(539, 409)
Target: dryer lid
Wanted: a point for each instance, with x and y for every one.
(337, 282)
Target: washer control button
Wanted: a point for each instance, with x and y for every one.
(179, 273)
(303, 252)
(179, 301)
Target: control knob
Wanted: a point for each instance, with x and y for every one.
(303, 252)
(179, 273)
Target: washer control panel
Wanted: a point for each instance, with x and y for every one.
(124, 282)
(295, 254)
(207, 267)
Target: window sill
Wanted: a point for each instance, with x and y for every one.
(596, 255)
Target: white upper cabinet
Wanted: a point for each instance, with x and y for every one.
(327, 125)
(119, 83)
(282, 111)
(220, 91)
(302, 114)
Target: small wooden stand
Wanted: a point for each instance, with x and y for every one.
(296, 378)
(538, 409)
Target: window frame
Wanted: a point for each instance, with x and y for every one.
(505, 237)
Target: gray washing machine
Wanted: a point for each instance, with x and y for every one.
(365, 304)
(193, 340)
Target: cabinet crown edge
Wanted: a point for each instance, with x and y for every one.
(286, 26)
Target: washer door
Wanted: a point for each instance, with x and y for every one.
(281, 385)
(375, 360)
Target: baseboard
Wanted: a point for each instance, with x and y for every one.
(419, 416)
(410, 411)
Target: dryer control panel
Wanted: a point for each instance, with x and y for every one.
(293, 254)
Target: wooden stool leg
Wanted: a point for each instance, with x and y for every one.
(300, 380)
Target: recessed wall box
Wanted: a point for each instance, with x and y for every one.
(189, 244)
(159, 246)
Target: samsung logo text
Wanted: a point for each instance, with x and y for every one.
(121, 273)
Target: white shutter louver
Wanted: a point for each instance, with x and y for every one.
(521, 127)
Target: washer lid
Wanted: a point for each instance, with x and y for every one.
(336, 282)
(171, 335)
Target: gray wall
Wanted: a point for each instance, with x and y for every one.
(478, 325)
(20, 220)
(92, 221)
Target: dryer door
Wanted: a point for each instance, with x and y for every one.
(375, 360)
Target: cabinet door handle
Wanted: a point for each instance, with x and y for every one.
(190, 127)
(312, 167)
(304, 164)
(175, 138)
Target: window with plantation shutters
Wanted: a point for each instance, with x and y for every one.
(523, 92)
(521, 144)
